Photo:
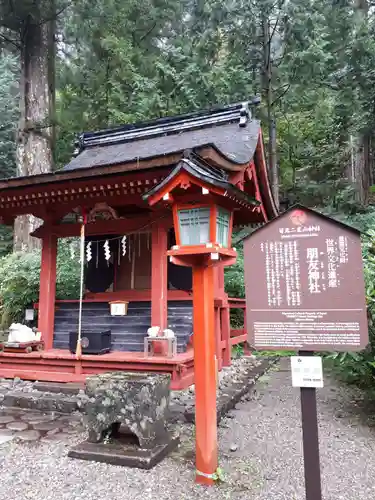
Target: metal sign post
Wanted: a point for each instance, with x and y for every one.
(305, 292)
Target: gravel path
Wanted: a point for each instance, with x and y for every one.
(267, 464)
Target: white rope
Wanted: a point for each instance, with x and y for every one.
(82, 256)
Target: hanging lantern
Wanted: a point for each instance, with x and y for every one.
(203, 225)
(203, 233)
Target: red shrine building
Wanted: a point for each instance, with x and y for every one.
(127, 182)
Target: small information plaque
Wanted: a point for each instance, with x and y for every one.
(29, 315)
(307, 371)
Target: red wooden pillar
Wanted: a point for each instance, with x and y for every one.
(219, 293)
(159, 276)
(246, 345)
(47, 291)
(225, 335)
(218, 339)
(219, 272)
(205, 374)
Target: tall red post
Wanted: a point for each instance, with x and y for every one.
(225, 334)
(47, 291)
(205, 374)
(159, 276)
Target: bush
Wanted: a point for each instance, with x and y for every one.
(19, 282)
(359, 368)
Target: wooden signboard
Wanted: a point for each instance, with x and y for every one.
(304, 284)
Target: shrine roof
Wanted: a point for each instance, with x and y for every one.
(229, 130)
(209, 175)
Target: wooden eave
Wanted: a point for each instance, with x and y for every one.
(136, 223)
(71, 192)
(60, 186)
(189, 172)
(263, 182)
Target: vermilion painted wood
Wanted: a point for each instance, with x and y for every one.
(239, 339)
(182, 179)
(213, 217)
(225, 335)
(218, 348)
(230, 229)
(159, 278)
(62, 366)
(128, 295)
(205, 373)
(262, 180)
(193, 255)
(47, 293)
(115, 226)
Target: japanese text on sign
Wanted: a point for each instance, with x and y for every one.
(304, 284)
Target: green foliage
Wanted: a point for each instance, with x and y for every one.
(19, 285)
(8, 125)
(219, 475)
(20, 279)
(234, 277)
(237, 350)
(359, 367)
(123, 62)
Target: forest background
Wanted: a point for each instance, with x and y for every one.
(69, 66)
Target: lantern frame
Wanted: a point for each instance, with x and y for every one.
(214, 210)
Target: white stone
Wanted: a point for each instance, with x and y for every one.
(5, 439)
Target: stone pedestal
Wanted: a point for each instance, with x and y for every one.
(121, 404)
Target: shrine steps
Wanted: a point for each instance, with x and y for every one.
(128, 332)
(38, 400)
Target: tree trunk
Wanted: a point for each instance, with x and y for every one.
(267, 92)
(35, 133)
(363, 168)
(362, 157)
(273, 160)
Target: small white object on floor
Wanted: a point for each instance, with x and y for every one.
(169, 334)
(6, 439)
(21, 333)
(153, 331)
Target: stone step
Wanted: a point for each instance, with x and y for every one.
(59, 387)
(40, 401)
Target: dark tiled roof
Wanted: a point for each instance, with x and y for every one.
(230, 130)
(206, 173)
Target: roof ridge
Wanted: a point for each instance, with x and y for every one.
(218, 115)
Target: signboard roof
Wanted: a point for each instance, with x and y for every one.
(304, 284)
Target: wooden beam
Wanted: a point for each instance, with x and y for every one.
(159, 277)
(115, 226)
(47, 293)
(182, 178)
(129, 186)
(65, 176)
(264, 186)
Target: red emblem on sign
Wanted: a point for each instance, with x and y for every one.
(298, 217)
